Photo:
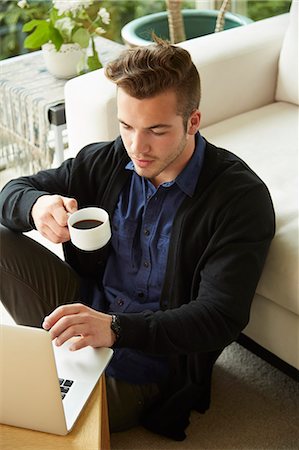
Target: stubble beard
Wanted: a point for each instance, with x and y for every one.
(155, 173)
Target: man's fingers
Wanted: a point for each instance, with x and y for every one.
(71, 332)
(52, 231)
(52, 211)
(60, 216)
(60, 213)
(70, 204)
(60, 312)
(72, 320)
(79, 343)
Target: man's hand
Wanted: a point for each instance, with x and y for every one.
(92, 326)
(50, 216)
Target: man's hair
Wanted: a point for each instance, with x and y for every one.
(144, 72)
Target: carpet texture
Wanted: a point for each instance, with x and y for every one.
(254, 407)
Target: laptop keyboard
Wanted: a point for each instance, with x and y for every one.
(65, 386)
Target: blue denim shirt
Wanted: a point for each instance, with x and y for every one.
(134, 274)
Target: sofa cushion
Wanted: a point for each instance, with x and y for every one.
(266, 138)
(287, 83)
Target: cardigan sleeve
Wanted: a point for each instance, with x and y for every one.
(76, 177)
(18, 196)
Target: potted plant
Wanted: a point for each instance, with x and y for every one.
(66, 33)
(178, 25)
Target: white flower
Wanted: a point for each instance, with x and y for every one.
(23, 4)
(72, 6)
(104, 15)
(65, 27)
(100, 30)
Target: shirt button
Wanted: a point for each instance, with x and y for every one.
(120, 302)
(146, 264)
(146, 232)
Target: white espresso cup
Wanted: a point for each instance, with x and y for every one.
(89, 228)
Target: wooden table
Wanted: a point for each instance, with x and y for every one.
(91, 431)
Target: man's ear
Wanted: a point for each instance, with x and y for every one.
(193, 122)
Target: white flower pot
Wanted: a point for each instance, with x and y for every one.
(65, 63)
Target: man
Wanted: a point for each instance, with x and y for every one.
(191, 227)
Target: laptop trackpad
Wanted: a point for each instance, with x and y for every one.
(83, 367)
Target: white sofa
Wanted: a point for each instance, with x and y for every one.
(249, 106)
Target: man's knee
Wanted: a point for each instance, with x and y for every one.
(6, 235)
(10, 242)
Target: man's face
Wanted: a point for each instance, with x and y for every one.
(154, 135)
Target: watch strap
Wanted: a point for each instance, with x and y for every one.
(115, 327)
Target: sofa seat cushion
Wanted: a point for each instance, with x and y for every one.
(266, 139)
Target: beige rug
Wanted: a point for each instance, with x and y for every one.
(254, 407)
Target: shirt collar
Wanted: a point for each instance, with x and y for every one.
(130, 166)
(187, 179)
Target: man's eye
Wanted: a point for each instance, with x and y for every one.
(158, 133)
(125, 126)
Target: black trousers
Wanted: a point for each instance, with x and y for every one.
(33, 282)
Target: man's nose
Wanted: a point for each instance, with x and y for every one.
(139, 144)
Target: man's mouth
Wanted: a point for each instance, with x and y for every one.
(143, 163)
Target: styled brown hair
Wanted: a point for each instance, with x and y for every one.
(144, 72)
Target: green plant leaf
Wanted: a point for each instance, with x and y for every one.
(53, 15)
(93, 62)
(81, 37)
(39, 36)
(55, 37)
(32, 24)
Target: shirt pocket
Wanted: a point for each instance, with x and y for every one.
(123, 238)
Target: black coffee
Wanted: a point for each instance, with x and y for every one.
(87, 224)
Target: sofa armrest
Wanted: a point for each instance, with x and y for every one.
(238, 67)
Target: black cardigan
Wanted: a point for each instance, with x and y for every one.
(219, 241)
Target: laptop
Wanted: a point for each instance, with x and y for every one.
(44, 387)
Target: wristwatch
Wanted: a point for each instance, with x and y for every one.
(115, 327)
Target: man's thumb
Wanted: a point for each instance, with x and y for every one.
(70, 204)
